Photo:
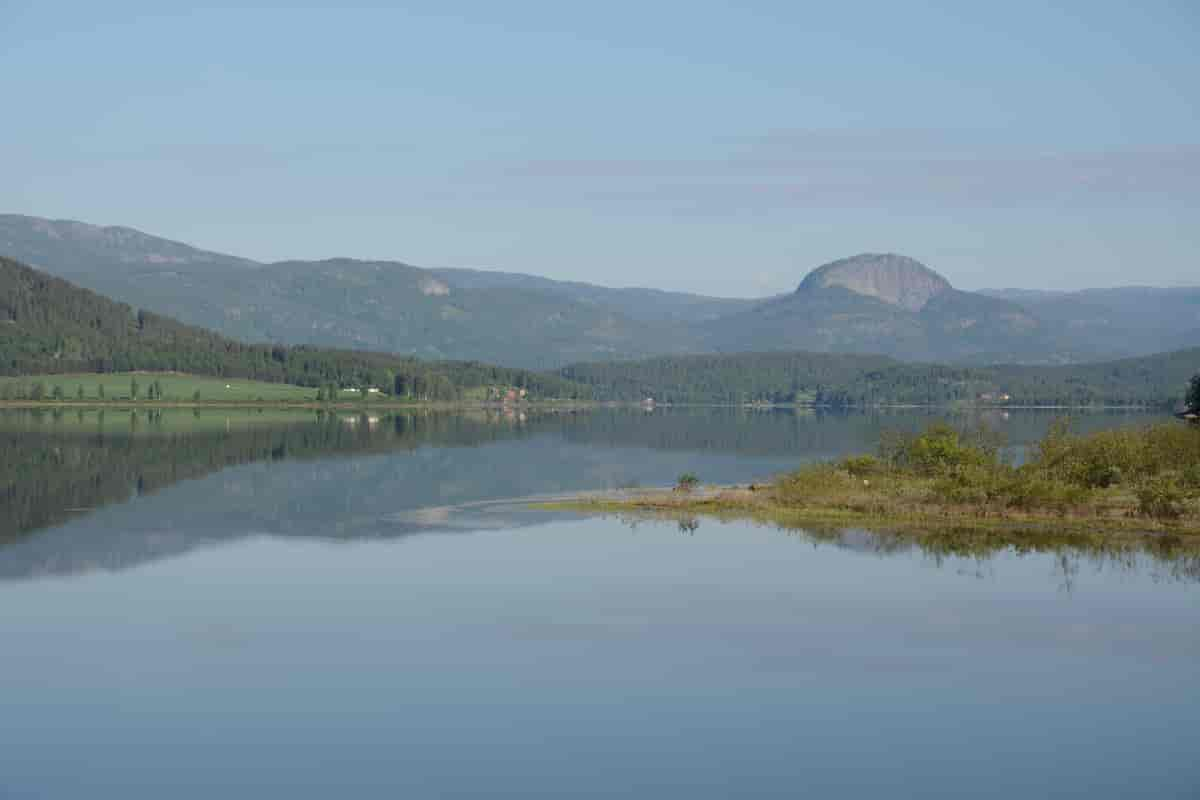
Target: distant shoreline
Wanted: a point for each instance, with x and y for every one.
(382, 404)
(373, 405)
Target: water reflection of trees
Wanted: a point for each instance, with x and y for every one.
(55, 465)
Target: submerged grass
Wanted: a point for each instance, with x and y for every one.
(947, 485)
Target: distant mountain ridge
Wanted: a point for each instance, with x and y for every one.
(1129, 320)
(882, 303)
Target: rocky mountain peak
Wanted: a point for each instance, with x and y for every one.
(894, 279)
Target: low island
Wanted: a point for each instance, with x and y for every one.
(1130, 484)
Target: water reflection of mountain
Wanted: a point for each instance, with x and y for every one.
(108, 491)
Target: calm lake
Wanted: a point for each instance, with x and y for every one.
(220, 604)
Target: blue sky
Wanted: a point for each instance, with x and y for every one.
(725, 148)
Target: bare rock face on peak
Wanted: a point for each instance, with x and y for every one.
(893, 279)
(892, 305)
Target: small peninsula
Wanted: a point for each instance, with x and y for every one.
(1130, 483)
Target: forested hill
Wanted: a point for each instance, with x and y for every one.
(51, 326)
(729, 378)
(845, 380)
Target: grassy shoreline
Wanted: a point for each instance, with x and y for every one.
(384, 403)
(185, 390)
(1130, 485)
(298, 405)
(740, 502)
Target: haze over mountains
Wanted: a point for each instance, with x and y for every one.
(870, 303)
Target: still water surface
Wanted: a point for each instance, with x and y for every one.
(261, 605)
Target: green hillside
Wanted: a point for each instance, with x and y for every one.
(50, 326)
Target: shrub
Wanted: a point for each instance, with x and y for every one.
(960, 492)
(1029, 491)
(816, 480)
(1190, 477)
(973, 484)
(1107, 458)
(1100, 460)
(687, 482)
(939, 449)
(1161, 497)
(863, 466)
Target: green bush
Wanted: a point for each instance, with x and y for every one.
(939, 449)
(1190, 477)
(863, 466)
(687, 482)
(1029, 491)
(960, 490)
(1162, 497)
(816, 480)
(1097, 461)
(1108, 458)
